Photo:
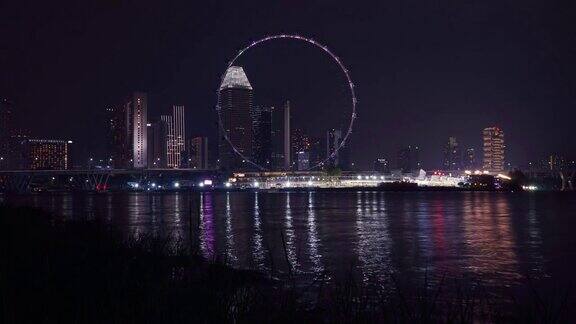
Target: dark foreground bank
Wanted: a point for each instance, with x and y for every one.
(86, 272)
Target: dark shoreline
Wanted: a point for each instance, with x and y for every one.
(312, 189)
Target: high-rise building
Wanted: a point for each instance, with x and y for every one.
(179, 134)
(262, 136)
(175, 137)
(317, 152)
(169, 139)
(469, 161)
(235, 108)
(157, 145)
(300, 142)
(452, 155)
(117, 136)
(333, 141)
(287, 135)
(302, 160)
(408, 159)
(344, 158)
(41, 154)
(137, 106)
(556, 162)
(197, 150)
(382, 165)
(127, 132)
(277, 137)
(6, 132)
(493, 138)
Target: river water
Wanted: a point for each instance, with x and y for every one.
(499, 239)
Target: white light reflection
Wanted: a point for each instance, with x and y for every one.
(207, 231)
(313, 239)
(290, 237)
(231, 256)
(374, 241)
(259, 252)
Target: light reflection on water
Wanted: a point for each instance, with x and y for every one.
(498, 238)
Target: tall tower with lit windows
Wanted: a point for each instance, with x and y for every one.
(137, 110)
(493, 139)
(235, 109)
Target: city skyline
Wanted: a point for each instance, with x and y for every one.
(287, 161)
(455, 89)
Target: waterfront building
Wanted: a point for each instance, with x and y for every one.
(276, 138)
(281, 137)
(169, 140)
(137, 106)
(197, 151)
(302, 161)
(157, 145)
(339, 158)
(452, 155)
(128, 132)
(117, 136)
(344, 158)
(556, 162)
(469, 160)
(287, 135)
(6, 131)
(300, 142)
(333, 141)
(262, 139)
(44, 154)
(494, 148)
(175, 136)
(235, 108)
(317, 151)
(408, 159)
(179, 144)
(382, 165)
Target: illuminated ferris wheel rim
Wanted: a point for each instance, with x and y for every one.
(316, 44)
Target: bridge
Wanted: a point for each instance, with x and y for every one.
(97, 179)
(566, 176)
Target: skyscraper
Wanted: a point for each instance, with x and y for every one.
(302, 160)
(381, 165)
(262, 139)
(128, 132)
(287, 135)
(179, 133)
(277, 137)
(6, 131)
(300, 142)
(333, 141)
(469, 161)
(556, 162)
(452, 155)
(493, 138)
(235, 108)
(317, 151)
(175, 136)
(157, 145)
(197, 149)
(41, 154)
(137, 106)
(169, 139)
(408, 159)
(118, 141)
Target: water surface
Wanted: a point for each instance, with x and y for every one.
(500, 239)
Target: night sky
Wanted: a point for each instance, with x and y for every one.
(424, 70)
